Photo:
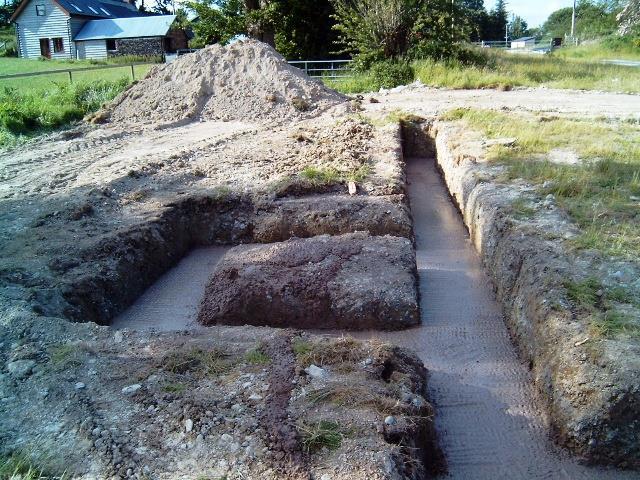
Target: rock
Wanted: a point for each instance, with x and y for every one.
(20, 369)
(131, 389)
(390, 420)
(325, 476)
(254, 397)
(188, 425)
(79, 386)
(118, 337)
(316, 372)
(353, 281)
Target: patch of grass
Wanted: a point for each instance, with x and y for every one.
(359, 174)
(522, 209)
(256, 357)
(584, 293)
(64, 356)
(328, 351)
(321, 175)
(614, 323)
(198, 361)
(23, 467)
(318, 435)
(174, 387)
(589, 295)
(600, 191)
(359, 397)
(24, 114)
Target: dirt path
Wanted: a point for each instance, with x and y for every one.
(488, 421)
(572, 103)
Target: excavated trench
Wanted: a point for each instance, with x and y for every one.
(488, 416)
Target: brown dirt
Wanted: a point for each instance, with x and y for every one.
(352, 281)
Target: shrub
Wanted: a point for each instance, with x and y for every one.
(390, 74)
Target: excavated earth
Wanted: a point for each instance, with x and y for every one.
(93, 216)
(352, 281)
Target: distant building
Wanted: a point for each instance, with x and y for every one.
(82, 29)
(524, 42)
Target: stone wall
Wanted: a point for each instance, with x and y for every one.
(138, 46)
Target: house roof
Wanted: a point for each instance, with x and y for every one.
(135, 27)
(523, 39)
(90, 8)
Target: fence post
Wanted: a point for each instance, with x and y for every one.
(133, 75)
(70, 77)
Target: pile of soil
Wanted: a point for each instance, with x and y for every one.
(246, 81)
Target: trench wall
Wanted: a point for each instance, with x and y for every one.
(592, 410)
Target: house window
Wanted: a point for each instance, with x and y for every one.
(111, 44)
(58, 45)
(40, 10)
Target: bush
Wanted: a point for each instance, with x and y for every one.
(390, 74)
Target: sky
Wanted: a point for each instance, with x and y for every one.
(535, 12)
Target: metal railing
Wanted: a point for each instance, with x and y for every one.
(324, 68)
(71, 71)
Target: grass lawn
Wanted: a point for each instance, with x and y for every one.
(504, 70)
(601, 192)
(10, 66)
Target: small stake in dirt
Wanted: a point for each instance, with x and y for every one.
(352, 187)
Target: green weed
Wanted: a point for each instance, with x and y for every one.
(318, 435)
(321, 175)
(257, 357)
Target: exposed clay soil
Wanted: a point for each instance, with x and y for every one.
(353, 281)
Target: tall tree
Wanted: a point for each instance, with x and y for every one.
(6, 11)
(498, 18)
(297, 28)
(593, 19)
(518, 27)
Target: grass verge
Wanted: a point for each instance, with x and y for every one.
(601, 190)
(504, 71)
(25, 114)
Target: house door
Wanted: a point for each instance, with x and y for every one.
(45, 50)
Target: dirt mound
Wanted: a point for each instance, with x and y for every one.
(351, 281)
(246, 81)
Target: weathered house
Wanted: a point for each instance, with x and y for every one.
(79, 29)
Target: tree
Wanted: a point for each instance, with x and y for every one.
(164, 7)
(377, 30)
(297, 28)
(496, 23)
(7, 10)
(593, 19)
(476, 18)
(518, 27)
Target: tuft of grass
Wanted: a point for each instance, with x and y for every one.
(64, 356)
(615, 323)
(357, 396)
(19, 466)
(327, 351)
(256, 357)
(318, 435)
(321, 175)
(586, 293)
(522, 209)
(201, 362)
(174, 387)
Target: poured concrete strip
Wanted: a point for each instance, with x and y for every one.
(486, 408)
(172, 302)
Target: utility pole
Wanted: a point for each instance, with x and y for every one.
(573, 20)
